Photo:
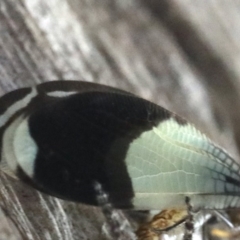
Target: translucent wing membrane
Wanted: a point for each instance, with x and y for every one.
(173, 161)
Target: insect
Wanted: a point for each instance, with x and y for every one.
(62, 137)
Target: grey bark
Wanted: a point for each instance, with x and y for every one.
(181, 54)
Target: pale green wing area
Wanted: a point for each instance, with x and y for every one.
(173, 160)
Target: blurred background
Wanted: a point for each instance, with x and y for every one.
(181, 54)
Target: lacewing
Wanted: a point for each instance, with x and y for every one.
(63, 136)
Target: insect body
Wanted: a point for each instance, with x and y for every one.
(61, 137)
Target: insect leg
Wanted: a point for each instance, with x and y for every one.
(118, 226)
(189, 224)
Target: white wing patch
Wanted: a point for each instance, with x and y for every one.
(25, 148)
(8, 153)
(172, 161)
(20, 104)
(60, 93)
(18, 148)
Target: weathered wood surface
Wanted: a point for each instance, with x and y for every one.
(182, 54)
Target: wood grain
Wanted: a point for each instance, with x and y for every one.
(182, 54)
